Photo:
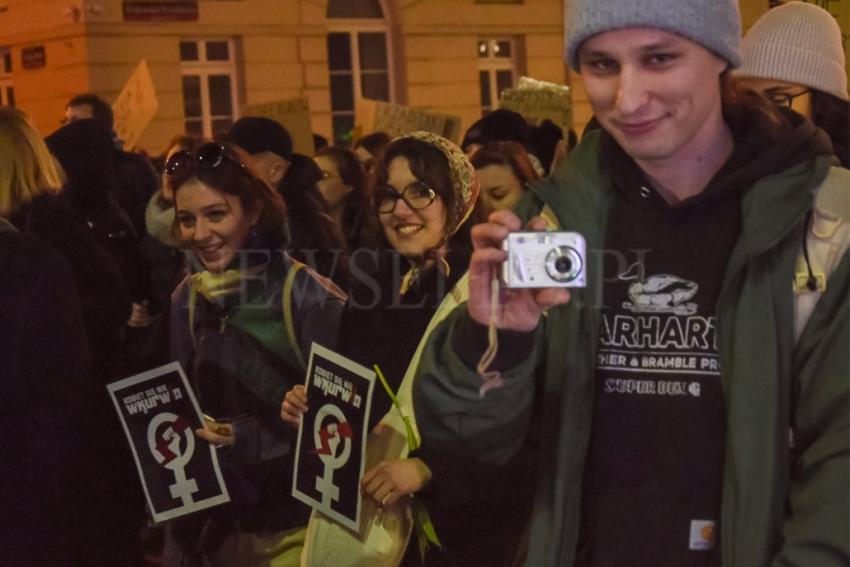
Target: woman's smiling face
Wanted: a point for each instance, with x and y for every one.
(213, 223)
(409, 231)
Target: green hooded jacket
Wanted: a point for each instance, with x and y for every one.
(780, 508)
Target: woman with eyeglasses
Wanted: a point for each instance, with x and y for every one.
(794, 56)
(243, 341)
(426, 189)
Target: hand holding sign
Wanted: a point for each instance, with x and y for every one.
(387, 482)
(294, 405)
(215, 432)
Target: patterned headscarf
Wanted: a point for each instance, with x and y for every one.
(464, 180)
(465, 187)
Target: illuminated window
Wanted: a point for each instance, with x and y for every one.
(358, 58)
(497, 69)
(7, 86)
(208, 69)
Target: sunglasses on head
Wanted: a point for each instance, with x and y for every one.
(209, 156)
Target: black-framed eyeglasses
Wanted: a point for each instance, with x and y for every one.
(783, 98)
(417, 196)
(208, 156)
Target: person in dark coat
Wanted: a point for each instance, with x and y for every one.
(137, 178)
(45, 378)
(29, 187)
(30, 184)
(84, 150)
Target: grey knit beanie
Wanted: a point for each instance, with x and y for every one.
(797, 43)
(714, 24)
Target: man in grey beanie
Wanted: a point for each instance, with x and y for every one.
(690, 404)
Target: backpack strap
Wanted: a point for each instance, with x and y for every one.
(286, 301)
(826, 240)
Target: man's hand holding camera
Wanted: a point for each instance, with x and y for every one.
(519, 309)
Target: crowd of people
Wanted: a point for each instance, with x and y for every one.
(689, 406)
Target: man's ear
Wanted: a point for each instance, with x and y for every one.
(278, 172)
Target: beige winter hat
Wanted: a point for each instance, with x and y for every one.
(797, 43)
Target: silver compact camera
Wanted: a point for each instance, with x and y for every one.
(544, 259)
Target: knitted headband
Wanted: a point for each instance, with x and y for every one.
(464, 181)
(797, 43)
(714, 24)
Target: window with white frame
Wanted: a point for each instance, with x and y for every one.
(497, 69)
(7, 85)
(358, 58)
(208, 70)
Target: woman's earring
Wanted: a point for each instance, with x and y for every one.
(252, 232)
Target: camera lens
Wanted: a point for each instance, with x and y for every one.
(563, 264)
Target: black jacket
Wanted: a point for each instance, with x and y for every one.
(85, 151)
(99, 285)
(45, 377)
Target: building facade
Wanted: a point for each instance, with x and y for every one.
(210, 58)
(450, 56)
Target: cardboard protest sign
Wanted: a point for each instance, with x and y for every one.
(136, 106)
(179, 472)
(294, 115)
(331, 449)
(397, 120)
(538, 101)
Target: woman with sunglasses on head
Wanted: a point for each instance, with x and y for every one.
(242, 336)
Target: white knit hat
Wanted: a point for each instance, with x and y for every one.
(797, 43)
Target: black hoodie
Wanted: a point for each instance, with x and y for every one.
(85, 152)
(654, 469)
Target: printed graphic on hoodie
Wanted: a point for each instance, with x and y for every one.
(658, 330)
